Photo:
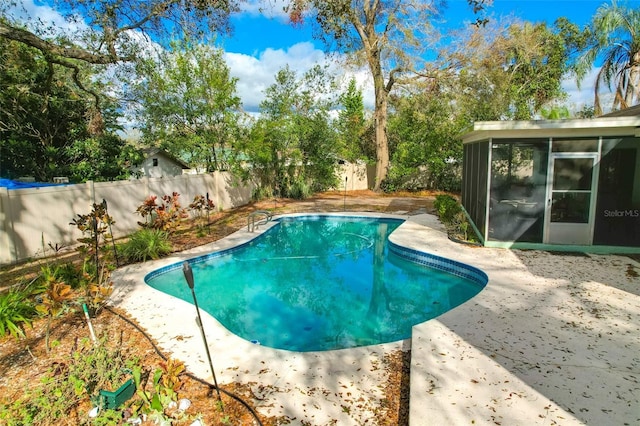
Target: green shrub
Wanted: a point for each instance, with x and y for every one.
(65, 272)
(261, 193)
(70, 274)
(454, 218)
(447, 208)
(299, 190)
(396, 179)
(16, 311)
(146, 244)
(464, 228)
(389, 186)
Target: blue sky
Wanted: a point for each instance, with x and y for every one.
(259, 42)
(254, 32)
(261, 45)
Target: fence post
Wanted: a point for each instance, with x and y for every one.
(7, 245)
(147, 186)
(213, 183)
(92, 193)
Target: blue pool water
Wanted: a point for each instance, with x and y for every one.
(316, 283)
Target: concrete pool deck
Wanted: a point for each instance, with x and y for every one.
(552, 339)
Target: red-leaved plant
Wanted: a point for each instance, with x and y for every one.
(165, 216)
(201, 207)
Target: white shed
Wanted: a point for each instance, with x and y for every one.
(159, 163)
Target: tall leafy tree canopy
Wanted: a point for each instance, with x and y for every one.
(352, 127)
(424, 141)
(107, 32)
(508, 70)
(291, 149)
(615, 37)
(97, 34)
(512, 70)
(111, 31)
(388, 36)
(189, 104)
(45, 122)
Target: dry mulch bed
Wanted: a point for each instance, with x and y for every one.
(24, 362)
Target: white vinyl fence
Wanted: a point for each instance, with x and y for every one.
(32, 219)
(354, 177)
(36, 217)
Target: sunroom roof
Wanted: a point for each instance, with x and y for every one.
(591, 127)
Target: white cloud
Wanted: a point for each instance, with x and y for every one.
(256, 73)
(42, 16)
(579, 97)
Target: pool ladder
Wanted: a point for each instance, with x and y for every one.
(266, 216)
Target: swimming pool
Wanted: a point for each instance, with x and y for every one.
(313, 283)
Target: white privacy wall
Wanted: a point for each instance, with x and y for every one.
(31, 219)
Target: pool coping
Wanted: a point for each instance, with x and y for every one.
(484, 362)
(316, 386)
(549, 340)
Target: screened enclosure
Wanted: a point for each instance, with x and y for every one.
(569, 182)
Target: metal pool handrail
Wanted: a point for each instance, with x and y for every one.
(251, 220)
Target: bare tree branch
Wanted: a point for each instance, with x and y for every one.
(26, 37)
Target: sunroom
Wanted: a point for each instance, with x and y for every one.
(569, 185)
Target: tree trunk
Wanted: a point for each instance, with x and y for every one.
(633, 86)
(382, 145)
(380, 117)
(372, 45)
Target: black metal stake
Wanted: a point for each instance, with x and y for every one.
(95, 239)
(188, 275)
(345, 193)
(113, 241)
(208, 229)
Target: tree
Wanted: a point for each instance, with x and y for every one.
(535, 64)
(45, 123)
(101, 158)
(387, 36)
(555, 112)
(108, 32)
(587, 111)
(510, 71)
(31, 91)
(41, 111)
(291, 148)
(424, 131)
(109, 35)
(352, 126)
(189, 104)
(615, 38)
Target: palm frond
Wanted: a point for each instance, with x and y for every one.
(617, 43)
